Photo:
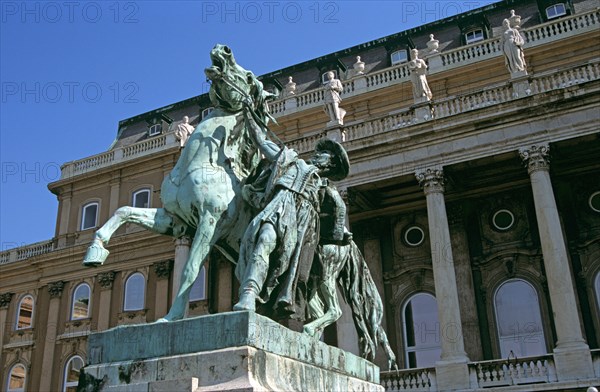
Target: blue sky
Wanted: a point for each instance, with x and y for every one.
(70, 70)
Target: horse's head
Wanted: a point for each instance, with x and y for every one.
(232, 85)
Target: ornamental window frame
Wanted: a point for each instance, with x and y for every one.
(522, 333)
(67, 386)
(139, 191)
(10, 376)
(84, 207)
(18, 313)
(408, 349)
(557, 14)
(134, 307)
(72, 316)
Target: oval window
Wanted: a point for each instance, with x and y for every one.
(503, 220)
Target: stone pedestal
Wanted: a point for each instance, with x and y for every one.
(235, 351)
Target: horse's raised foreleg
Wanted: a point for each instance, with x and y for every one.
(154, 219)
(199, 250)
(333, 313)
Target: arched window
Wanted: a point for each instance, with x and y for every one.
(519, 319)
(135, 288)
(89, 216)
(198, 291)
(71, 377)
(141, 198)
(421, 331)
(80, 304)
(17, 378)
(25, 313)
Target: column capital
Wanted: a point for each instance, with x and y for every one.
(163, 269)
(431, 180)
(5, 299)
(105, 279)
(536, 157)
(55, 289)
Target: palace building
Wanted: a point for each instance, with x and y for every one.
(474, 194)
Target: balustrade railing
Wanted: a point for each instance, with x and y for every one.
(517, 371)
(25, 252)
(409, 380)
(144, 146)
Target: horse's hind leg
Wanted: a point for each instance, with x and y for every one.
(154, 219)
(201, 245)
(333, 313)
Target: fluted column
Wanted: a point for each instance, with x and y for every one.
(105, 280)
(182, 251)
(452, 370)
(571, 352)
(55, 290)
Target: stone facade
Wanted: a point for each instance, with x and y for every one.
(492, 184)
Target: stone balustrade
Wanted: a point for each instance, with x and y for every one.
(518, 371)
(25, 252)
(444, 61)
(409, 380)
(449, 106)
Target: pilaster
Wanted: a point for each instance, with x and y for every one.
(105, 280)
(55, 290)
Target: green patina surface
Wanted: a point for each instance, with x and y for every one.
(213, 332)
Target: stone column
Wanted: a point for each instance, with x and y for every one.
(571, 354)
(162, 271)
(105, 280)
(451, 370)
(55, 290)
(182, 251)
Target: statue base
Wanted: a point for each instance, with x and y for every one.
(236, 351)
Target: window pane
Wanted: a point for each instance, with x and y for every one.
(72, 374)
(422, 331)
(134, 292)
(399, 56)
(141, 199)
(81, 302)
(198, 291)
(25, 314)
(17, 377)
(89, 216)
(519, 320)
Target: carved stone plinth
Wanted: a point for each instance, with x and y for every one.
(236, 351)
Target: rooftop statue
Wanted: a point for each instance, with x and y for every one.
(184, 130)
(512, 47)
(332, 90)
(418, 76)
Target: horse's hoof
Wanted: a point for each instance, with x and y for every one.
(96, 254)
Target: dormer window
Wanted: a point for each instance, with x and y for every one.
(398, 57)
(474, 36)
(154, 130)
(556, 10)
(206, 112)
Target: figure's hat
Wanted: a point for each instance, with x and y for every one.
(343, 166)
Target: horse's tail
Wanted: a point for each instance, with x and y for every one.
(361, 294)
